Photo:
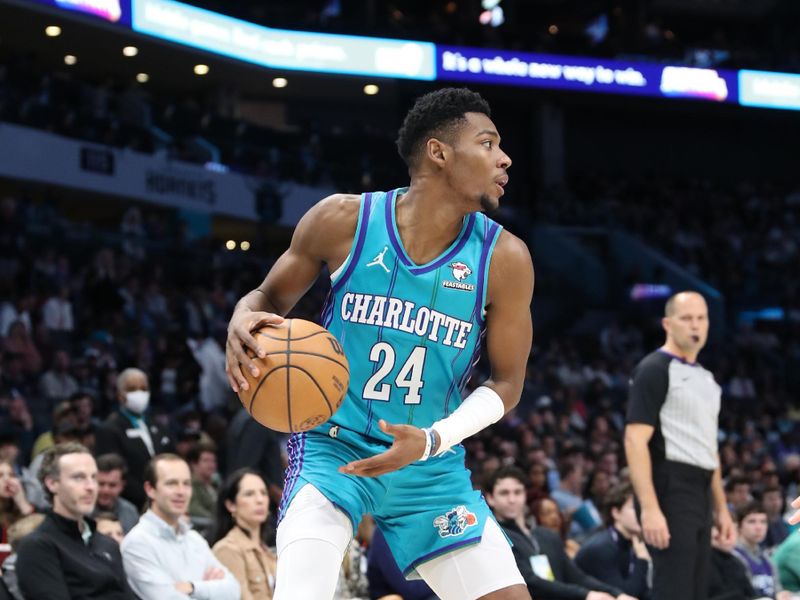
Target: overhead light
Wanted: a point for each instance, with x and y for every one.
(553, 29)
(201, 69)
(70, 59)
(371, 89)
(130, 51)
(230, 245)
(142, 77)
(280, 82)
(52, 31)
(245, 246)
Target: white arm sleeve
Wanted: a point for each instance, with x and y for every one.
(478, 410)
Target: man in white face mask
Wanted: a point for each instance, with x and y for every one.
(129, 433)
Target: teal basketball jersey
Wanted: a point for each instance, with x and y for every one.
(411, 333)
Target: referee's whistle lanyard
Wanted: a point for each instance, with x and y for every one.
(631, 555)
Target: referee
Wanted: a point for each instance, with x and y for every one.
(671, 447)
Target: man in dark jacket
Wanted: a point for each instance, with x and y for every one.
(617, 555)
(545, 566)
(128, 434)
(66, 558)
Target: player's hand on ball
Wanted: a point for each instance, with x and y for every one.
(654, 528)
(408, 446)
(240, 337)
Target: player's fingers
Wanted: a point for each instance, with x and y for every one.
(232, 367)
(242, 358)
(796, 502)
(795, 518)
(389, 428)
(248, 340)
(369, 467)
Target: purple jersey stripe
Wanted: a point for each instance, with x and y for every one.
(295, 448)
(362, 234)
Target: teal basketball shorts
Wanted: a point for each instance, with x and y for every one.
(424, 510)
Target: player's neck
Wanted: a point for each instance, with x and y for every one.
(427, 217)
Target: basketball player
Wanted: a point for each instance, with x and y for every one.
(418, 276)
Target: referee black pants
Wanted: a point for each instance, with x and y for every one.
(680, 571)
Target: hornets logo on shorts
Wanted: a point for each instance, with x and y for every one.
(455, 522)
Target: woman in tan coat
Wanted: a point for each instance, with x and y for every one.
(242, 509)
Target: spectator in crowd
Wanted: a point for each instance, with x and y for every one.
(202, 460)
(774, 503)
(19, 422)
(66, 557)
(16, 533)
(737, 492)
(14, 504)
(549, 573)
(57, 314)
(242, 510)
(727, 576)
(128, 433)
(108, 524)
(83, 404)
(617, 555)
(57, 384)
(19, 341)
(537, 486)
(111, 474)
(752, 520)
(386, 581)
(163, 557)
(63, 412)
(546, 513)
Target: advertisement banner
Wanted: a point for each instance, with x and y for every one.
(575, 73)
(769, 90)
(112, 11)
(283, 49)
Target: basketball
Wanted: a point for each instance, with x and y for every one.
(302, 378)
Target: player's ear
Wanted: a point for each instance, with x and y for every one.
(437, 151)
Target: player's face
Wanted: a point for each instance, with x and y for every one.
(508, 498)
(479, 168)
(75, 490)
(688, 324)
(252, 503)
(173, 491)
(754, 528)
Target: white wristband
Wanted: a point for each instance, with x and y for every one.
(478, 410)
(429, 438)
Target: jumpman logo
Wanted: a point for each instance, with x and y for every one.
(378, 260)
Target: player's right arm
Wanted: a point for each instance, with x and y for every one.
(637, 452)
(323, 236)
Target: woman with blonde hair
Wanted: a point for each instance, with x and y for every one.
(242, 510)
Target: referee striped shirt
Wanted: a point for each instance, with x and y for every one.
(681, 401)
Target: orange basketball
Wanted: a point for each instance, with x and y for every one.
(302, 379)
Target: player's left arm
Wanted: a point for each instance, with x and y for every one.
(509, 327)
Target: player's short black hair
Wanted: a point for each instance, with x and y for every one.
(436, 114)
